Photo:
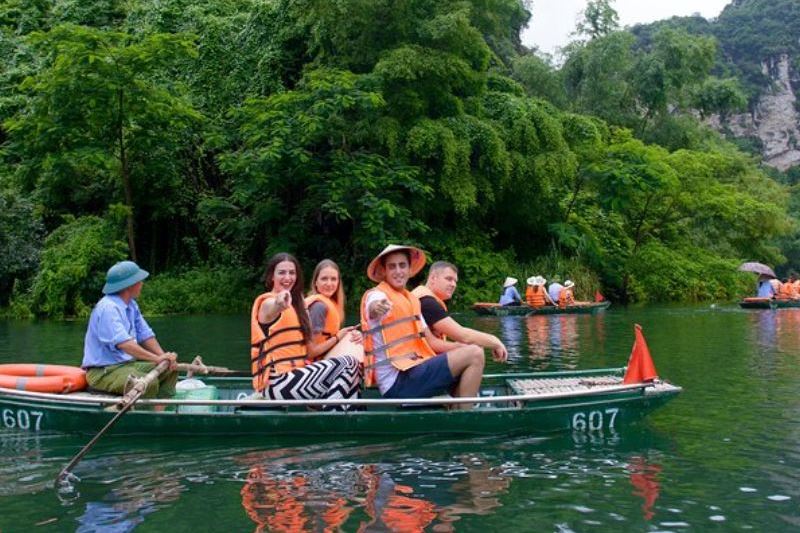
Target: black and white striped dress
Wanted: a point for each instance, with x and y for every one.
(339, 377)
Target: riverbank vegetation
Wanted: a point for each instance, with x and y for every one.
(200, 138)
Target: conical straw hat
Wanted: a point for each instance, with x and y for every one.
(375, 269)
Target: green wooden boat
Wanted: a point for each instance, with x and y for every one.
(524, 403)
(767, 303)
(495, 309)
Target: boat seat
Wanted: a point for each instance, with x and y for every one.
(570, 384)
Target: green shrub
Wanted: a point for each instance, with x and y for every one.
(556, 267)
(481, 270)
(74, 261)
(20, 241)
(199, 290)
(660, 274)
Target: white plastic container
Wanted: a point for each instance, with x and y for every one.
(194, 389)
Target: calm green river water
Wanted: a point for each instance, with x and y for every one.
(725, 455)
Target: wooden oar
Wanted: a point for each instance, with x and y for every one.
(198, 367)
(127, 401)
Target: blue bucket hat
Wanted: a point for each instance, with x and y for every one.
(122, 275)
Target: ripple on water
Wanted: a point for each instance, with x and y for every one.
(779, 498)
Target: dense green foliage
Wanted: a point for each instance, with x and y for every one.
(199, 290)
(750, 33)
(20, 236)
(74, 259)
(234, 129)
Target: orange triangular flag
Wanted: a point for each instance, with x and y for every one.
(599, 297)
(640, 366)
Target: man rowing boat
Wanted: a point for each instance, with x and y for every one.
(119, 343)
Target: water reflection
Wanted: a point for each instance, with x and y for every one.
(764, 327)
(308, 501)
(538, 328)
(371, 496)
(127, 506)
(564, 338)
(20, 455)
(550, 342)
(644, 478)
(777, 329)
(288, 502)
(511, 335)
(787, 330)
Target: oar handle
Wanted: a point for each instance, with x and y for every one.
(140, 385)
(198, 367)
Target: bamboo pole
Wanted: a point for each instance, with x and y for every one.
(124, 405)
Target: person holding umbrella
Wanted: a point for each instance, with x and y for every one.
(768, 283)
(765, 287)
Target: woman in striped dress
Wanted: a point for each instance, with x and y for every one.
(281, 343)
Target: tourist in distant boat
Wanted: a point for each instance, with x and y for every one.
(776, 285)
(281, 345)
(555, 291)
(439, 287)
(405, 358)
(325, 304)
(535, 294)
(788, 290)
(510, 295)
(119, 344)
(566, 296)
(765, 287)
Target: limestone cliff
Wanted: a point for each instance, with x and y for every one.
(774, 120)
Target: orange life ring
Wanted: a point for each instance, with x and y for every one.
(42, 378)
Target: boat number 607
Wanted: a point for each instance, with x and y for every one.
(595, 420)
(21, 419)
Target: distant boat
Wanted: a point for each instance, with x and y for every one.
(768, 303)
(495, 309)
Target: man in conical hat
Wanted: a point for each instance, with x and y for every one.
(403, 357)
(510, 294)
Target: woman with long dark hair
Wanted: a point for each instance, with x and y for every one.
(281, 345)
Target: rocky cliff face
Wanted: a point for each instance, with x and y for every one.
(775, 120)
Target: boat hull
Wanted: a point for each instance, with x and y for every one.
(767, 303)
(582, 412)
(493, 309)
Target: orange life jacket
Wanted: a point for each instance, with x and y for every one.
(787, 290)
(333, 320)
(534, 296)
(281, 350)
(423, 290)
(565, 297)
(402, 330)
